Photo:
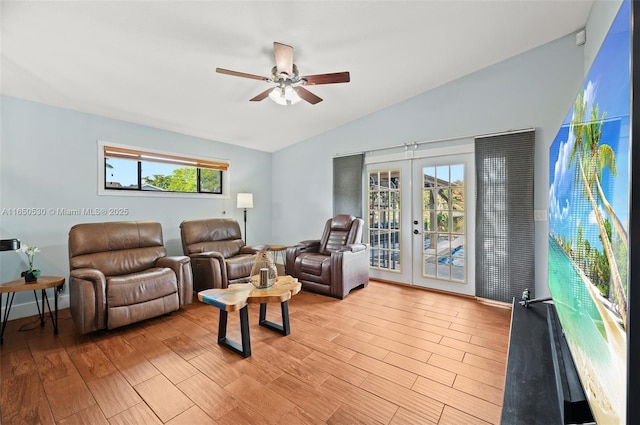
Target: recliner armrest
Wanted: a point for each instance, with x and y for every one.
(93, 275)
(349, 269)
(176, 259)
(253, 249)
(209, 270)
(209, 254)
(356, 247)
(87, 299)
(310, 245)
(181, 266)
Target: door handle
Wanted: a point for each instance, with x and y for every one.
(416, 231)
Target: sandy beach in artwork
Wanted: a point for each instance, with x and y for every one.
(612, 399)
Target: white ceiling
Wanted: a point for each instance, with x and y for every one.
(153, 63)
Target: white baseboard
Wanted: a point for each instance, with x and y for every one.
(30, 309)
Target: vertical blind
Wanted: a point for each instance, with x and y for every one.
(505, 240)
(347, 184)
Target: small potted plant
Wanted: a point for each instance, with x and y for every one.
(31, 274)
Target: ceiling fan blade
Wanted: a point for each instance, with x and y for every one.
(308, 96)
(242, 74)
(284, 58)
(336, 77)
(262, 95)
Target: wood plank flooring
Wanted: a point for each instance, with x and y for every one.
(387, 354)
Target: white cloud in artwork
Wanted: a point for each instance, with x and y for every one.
(558, 203)
(590, 94)
(592, 216)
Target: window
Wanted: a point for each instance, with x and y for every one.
(443, 212)
(384, 219)
(132, 170)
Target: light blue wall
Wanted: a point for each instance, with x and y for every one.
(48, 156)
(534, 89)
(49, 159)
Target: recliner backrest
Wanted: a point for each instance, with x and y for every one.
(339, 231)
(116, 248)
(215, 234)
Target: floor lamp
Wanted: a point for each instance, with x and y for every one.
(245, 200)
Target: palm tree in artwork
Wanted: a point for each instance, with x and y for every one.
(592, 158)
(603, 156)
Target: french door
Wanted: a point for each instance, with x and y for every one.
(420, 221)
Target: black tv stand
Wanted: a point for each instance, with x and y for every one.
(542, 385)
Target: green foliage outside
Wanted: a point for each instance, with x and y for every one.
(185, 180)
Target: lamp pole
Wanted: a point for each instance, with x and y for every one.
(245, 200)
(245, 226)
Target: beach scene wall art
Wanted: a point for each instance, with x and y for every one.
(589, 177)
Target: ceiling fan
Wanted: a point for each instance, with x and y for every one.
(289, 84)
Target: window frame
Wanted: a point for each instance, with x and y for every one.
(168, 156)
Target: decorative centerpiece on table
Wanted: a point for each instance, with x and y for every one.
(31, 274)
(263, 273)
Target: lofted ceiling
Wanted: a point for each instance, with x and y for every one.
(153, 62)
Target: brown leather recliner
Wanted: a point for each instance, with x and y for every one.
(218, 253)
(120, 274)
(334, 264)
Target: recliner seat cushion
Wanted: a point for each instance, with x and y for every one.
(314, 267)
(140, 287)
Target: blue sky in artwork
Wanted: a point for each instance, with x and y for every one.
(607, 86)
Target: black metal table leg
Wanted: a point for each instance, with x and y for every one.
(7, 309)
(44, 295)
(53, 320)
(284, 329)
(55, 303)
(244, 348)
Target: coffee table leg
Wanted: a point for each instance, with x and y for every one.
(244, 349)
(284, 329)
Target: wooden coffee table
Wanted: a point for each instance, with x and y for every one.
(236, 298)
(43, 283)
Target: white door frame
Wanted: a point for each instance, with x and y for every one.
(410, 165)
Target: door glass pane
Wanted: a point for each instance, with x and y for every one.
(443, 219)
(442, 173)
(384, 219)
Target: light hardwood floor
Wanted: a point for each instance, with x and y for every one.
(388, 354)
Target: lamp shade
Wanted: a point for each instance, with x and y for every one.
(245, 200)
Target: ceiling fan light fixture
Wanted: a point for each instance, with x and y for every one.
(289, 88)
(286, 95)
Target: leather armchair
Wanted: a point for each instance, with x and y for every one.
(218, 253)
(120, 274)
(334, 264)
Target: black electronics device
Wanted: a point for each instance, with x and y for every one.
(9, 244)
